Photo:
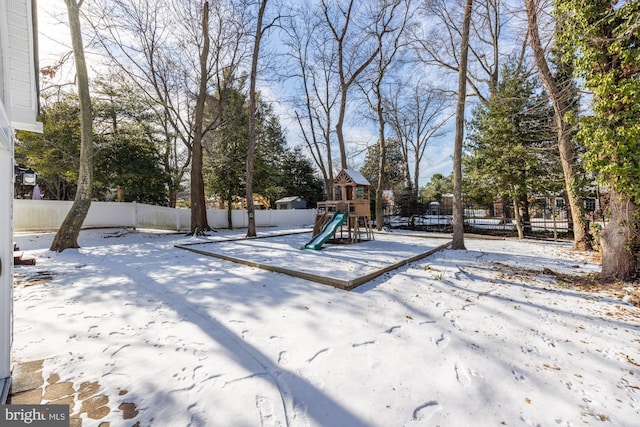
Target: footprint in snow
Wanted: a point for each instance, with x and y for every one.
(426, 411)
(282, 358)
(462, 376)
(442, 341)
(324, 350)
(354, 345)
(120, 349)
(392, 329)
(265, 408)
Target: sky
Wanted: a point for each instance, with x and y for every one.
(54, 42)
(488, 336)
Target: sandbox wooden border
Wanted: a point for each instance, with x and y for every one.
(343, 284)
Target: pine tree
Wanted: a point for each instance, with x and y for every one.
(510, 142)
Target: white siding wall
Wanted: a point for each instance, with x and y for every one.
(18, 109)
(22, 100)
(6, 246)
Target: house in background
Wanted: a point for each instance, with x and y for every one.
(18, 111)
(293, 202)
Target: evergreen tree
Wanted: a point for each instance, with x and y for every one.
(298, 178)
(128, 159)
(393, 175)
(510, 142)
(436, 187)
(270, 150)
(131, 165)
(54, 153)
(226, 146)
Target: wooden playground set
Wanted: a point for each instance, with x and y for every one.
(347, 218)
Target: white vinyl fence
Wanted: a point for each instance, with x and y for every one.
(47, 215)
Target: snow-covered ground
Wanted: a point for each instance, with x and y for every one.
(460, 338)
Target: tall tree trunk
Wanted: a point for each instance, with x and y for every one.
(251, 149)
(458, 209)
(67, 235)
(173, 197)
(382, 161)
(526, 215)
(339, 128)
(620, 240)
(416, 179)
(406, 172)
(230, 214)
(199, 223)
(581, 237)
(518, 217)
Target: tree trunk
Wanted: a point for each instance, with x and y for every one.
(339, 128)
(173, 197)
(458, 210)
(382, 161)
(406, 172)
(518, 217)
(230, 215)
(526, 215)
(416, 179)
(620, 240)
(251, 149)
(199, 223)
(67, 235)
(581, 237)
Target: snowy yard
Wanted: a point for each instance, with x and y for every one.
(482, 337)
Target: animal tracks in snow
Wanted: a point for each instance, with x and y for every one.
(518, 375)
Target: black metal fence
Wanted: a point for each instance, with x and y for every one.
(557, 227)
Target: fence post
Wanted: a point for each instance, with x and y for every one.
(135, 215)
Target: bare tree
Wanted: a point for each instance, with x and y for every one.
(352, 33)
(260, 31)
(416, 117)
(312, 57)
(389, 31)
(458, 209)
(251, 148)
(67, 235)
(178, 53)
(561, 106)
(440, 45)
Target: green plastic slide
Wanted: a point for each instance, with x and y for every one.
(328, 230)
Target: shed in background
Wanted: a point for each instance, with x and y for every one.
(292, 202)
